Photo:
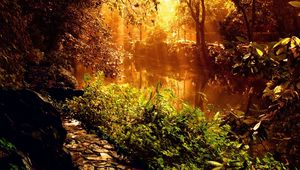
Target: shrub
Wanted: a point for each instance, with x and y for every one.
(278, 64)
(150, 128)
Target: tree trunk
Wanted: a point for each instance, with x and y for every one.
(202, 31)
(247, 24)
(253, 19)
(198, 34)
(246, 20)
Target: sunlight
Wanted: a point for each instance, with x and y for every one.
(166, 14)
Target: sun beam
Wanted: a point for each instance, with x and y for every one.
(166, 13)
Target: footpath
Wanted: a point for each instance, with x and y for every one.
(89, 152)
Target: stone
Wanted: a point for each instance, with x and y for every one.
(95, 158)
(88, 167)
(93, 150)
(108, 147)
(61, 94)
(100, 150)
(33, 125)
(105, 156)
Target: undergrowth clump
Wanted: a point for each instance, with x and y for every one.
(150, 129)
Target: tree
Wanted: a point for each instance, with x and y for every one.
(135, 12)
(243, 7)
(198, 14)
(40, 37)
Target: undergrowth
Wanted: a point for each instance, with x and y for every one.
(151, 129)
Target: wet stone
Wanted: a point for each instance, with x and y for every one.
(89, 152)
(108, 147)
(100, 150)
(88, 167)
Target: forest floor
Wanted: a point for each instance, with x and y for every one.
(89, 152)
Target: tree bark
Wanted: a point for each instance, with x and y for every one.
(253, 19)
(202, 30)
(246, 20)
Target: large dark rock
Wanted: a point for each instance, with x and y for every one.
(61, 94)
(34, 126)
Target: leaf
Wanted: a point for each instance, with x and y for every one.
(257, 125)
(236, 65)
(277, 44)
(277, 89)
(298, 85)
(256, 45)
(285, 41)
(259, 52)
(246, 56)
(241, 39)
(214, 163)
(297, 40)
(295, 4)
(279, 51)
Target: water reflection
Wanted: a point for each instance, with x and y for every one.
(179, 71)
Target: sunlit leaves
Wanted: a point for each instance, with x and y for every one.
(134, 11)
(150, 130)
(257, 126)
(259, 52)
(295, 3)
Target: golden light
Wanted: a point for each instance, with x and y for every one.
(166, 12)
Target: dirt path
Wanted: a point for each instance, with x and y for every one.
(89, 152)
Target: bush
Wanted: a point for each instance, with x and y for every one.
(278, 64)
(149, 126)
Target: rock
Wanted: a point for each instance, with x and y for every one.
(62, 77)
(11, 158)
(105, 156)
(108, 147)
(61, 94)
(34, 127)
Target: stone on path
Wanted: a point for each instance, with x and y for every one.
(89, 152)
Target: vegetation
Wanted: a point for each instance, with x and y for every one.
(149, 128)
(8, 150)
(278, 64)
(51, 44)
(49, 38)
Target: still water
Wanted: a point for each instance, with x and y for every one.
(182, 72)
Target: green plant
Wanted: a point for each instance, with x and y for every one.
(148, 128)
(4, 144)
(278, 64)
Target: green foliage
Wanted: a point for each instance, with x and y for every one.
(11, 158)
(278, 64)
(149, 128)
(4, 144)
(40, 38)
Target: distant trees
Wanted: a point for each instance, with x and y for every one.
(136, 13)
(262, 20)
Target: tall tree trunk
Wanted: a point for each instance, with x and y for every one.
(141, 33)
(246, 20)
(198, 34)
(202, 30)
(247, 24)
(253, 19)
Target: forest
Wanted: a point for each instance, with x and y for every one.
(149, 84)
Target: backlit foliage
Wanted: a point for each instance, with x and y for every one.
(278, 64)
(40, 36)
(147, 128)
